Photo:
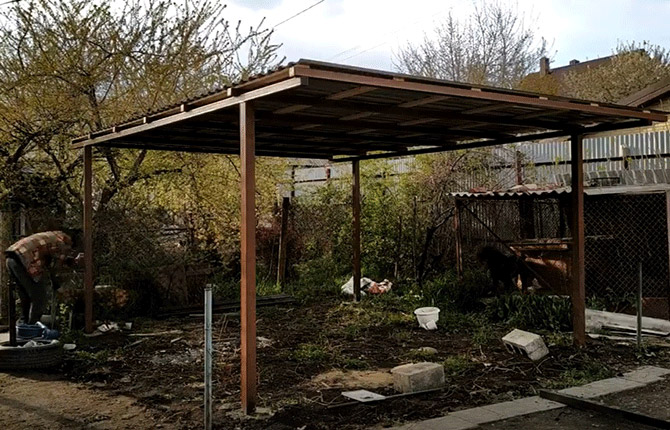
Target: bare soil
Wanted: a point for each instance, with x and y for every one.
(307, 356)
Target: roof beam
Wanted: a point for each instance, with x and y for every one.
(496, 142)
(475, 93)
(351, 93)
(415, 113)
(115, 133)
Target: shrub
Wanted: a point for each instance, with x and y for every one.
(532, 311)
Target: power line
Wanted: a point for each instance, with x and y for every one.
(291, 17)
(9, 2)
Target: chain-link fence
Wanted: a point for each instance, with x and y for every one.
(624, 233)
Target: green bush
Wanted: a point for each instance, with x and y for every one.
(531, 311)
(458, 294)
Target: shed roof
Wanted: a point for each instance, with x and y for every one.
(313, 109)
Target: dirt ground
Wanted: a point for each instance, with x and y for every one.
(652, 400)
(308, 354)
(43, 401)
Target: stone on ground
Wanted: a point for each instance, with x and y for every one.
(525, 343)
(410, 378)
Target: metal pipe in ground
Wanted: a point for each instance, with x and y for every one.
(639, 308)
(208, 357)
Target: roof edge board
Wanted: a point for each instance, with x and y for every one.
(118, 131)
(482, 94)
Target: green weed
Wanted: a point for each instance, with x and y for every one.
(457, 365)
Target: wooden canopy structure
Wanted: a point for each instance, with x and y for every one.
(312, 109)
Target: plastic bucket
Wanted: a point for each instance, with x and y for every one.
(427, 317)
(29, 331)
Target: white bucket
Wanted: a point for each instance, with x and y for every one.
(427, 317)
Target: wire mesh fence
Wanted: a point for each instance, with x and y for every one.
(624, 233)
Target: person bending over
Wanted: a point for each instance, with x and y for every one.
(34, 261)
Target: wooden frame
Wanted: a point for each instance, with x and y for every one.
(578, 294)
(358, 114)
(248, 250)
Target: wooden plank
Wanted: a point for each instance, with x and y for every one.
(607, 410)
(492, 142)
(419, 113)
(283, 232)
(578, 295)
(475, 93)
(248, 259)
(667, 238)
(487, 108)
(196, 112)
(88, 239)
(356, 230)
(424, 101)
(351, 93)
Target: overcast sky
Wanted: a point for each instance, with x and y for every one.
(368, 32)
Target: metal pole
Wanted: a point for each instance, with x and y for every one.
(356, 230)
(639, 308)
(208, 357)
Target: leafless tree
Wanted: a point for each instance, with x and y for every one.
(495, 45)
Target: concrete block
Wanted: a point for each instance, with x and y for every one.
(410, 378)
(525, 343)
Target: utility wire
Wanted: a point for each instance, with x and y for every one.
(293, 16)
(9, 2)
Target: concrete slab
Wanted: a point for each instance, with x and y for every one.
(527, 405)
(448, 422)
(4, 337)
(646, 374)
(471, 418)
(478, 415)
(602, 388)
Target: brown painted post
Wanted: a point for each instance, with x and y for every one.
(459, 238)
(578, 290)
(356, 231)
(88, 239)
(667, 232)
(248, 248)
(6, 236)
(281, 266)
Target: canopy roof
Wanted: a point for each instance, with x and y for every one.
(312, 109)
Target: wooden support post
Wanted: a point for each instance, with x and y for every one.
(356, 230)
(578, 290)
(459, 238)
(248, 248)
(667, 238)
(6, 236)
(88, 239)
(281, 266)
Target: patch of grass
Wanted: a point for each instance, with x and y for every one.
(401, 335)
(419, 354)
(457, 365)
(93, 357)
(558, 339)
(593, 371)
(309, 353)
(482, 333)
(352, 331)
(354, 364)
(532, 311)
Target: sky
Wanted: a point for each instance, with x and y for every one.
(367, 33)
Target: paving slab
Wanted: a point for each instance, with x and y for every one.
(449, 422)
(647, 374)
(477, 415)
(499, 412)
(602, 388)
(527, 405)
